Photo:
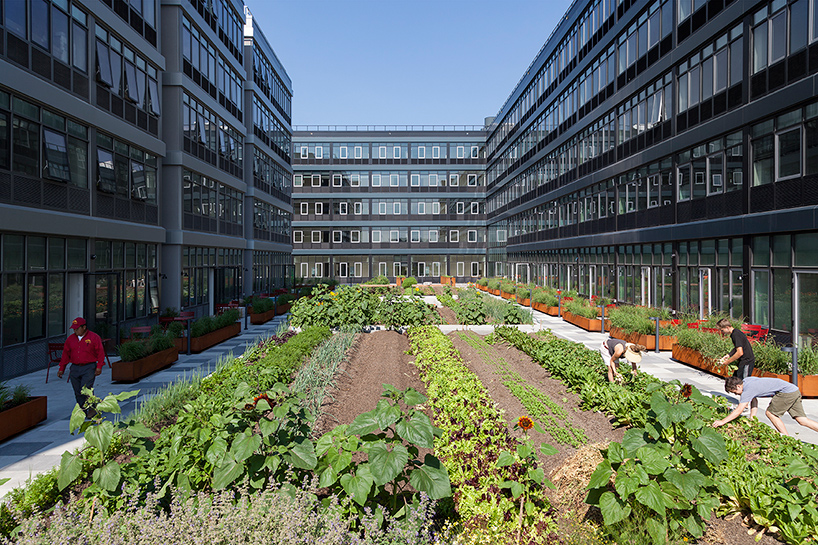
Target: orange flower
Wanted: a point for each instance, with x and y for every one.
(687, 390)
(525, 423)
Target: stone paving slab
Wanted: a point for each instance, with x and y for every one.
(40, 448)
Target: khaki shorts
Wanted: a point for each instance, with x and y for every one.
(782, 403)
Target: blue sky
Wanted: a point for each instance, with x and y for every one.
(404, 62)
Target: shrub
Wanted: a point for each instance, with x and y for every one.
(377, 280)
(169, 312)
(158, 341)
(545, 296)
(263, 304)
(483, 282)
(808, 360)
(637, 319)
(508, 286)
(581, 307)
(286, 299)
(523, 292)
(494, 284)
(409, 281)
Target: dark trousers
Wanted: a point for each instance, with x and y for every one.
(82, 376)
(744, 370)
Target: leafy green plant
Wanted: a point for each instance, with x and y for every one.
(409, 282)
(545, 296)
(261, 305)
(637, 319)
(389, 437)
(494, 284)
(285, 299)
(380, 279)
(666, 466)
(483, 282)
(581, 307)
(808, 360)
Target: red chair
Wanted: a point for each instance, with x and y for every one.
(54, 356)
(104, 347)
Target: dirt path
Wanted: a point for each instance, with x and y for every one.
(377, 358)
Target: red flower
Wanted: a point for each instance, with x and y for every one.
(259, 398)
(525, 423)
(687, 390)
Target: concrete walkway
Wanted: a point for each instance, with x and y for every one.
(40, 448)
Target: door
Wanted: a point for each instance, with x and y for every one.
(103, 312)
(705, 293)
(806, 307)
(644, 288)
(593, 289)
(343, 269)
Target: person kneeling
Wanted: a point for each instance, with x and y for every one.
(785, 398)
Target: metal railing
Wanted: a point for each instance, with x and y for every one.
(386, 128)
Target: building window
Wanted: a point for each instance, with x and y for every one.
(461, 268)
(472, 235)
(454, 236)
(355, 180)
(376, 236)
(376, 180)
(396, 152)
(305, 152)
(475, 207)
(436, 207)
(421, 208)
(475, 152)
(415, 180)
(415, 236)
(319, 151)
(461, 207)
(297, 180)
(298, 237)
(305, 208)
(382, 207)
(342, 152)
(472, 180)
(357, 208)
(475, 268)
(355, 236)
(461, 152)
(336, 180)
(359, 152)
(319, 209)
(396, 208)
(336, 237)
(381, 152)
(454, 180)
(435, 152)
(433, 234)
(342, 208)
(316, 180)
(421, 152)
(316, 237)
(394, 235)
(393, 180)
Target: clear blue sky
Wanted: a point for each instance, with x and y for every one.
(404, 62)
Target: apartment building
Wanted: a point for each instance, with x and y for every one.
(663, 153)
(124, 130)
(391, 201)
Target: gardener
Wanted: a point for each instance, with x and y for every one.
(82, 349)
(785, 398)
(742, 351)
(614, 349)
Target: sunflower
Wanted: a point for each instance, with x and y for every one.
(687, 390)
(525, 423)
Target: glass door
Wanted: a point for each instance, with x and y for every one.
(105, 316)
(645, 288)
(705, 303)
(806, 307)
(593, 288)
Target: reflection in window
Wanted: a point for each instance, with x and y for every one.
(26, 144)
(12, 308)
(56, 156)
(106, 180)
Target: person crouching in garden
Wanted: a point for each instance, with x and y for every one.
(614, 349)
(785, 398)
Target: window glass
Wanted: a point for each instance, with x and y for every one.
(26, 145)
(36, 253)
(13, 252)
(763, 160)
(759, 47)
(39, 23)
(799, 22)
(761, 251)
(806, 250)
(16, 18)
(59, 34)
(12, 307)
(76, 254)
(789, 153)
(79, 48)
(56, 308)
(781, 250)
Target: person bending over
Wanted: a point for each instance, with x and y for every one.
(785, 398)
(614, 349)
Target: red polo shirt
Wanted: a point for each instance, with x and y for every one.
(81, 352)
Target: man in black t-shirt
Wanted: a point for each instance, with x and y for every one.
(742, 351)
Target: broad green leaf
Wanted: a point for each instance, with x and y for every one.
(244, 446)
(657, 530)
(699, 397)
(70, 469)
(652, 496)
(524, 451)
(324, 443)
(417, 430)
(798, 468)
(216, 451)
(126, 395)
(431, 478)
(613, 510)
(688, 483)
(634, 439)
(601, 476)
(693, 525)
(412, 397)
(387, 464)
(387, 414)
(548, 450)
(302, 454)
(536, 475)
(100, 436)
(77, 419)
(109, 405)
(359, 485)
(516, 488)
(268, 427)
(226, 473)
(705, 505)
(629, 478)
(4, 481)
(138, 429)
(364, 423)
(107, 476)
(328, 477)
(616, 454)
(794, 511)
(653, 458)
(710, 444)
(505, 459)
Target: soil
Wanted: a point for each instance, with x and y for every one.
(448, 315)
(381, 358)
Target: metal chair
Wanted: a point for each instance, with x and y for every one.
(54, 356)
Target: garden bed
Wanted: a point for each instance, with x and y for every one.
(587, 324)
(129, 371)
(200, 344)
(22, 417)
(666, 342)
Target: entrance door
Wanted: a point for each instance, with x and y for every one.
(103, 312)
(645, 288)
(705, 303)
(806, 307)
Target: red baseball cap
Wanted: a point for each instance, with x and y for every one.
(77, 323)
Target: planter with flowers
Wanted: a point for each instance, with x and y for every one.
(19, 411)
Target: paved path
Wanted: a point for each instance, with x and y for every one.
(40, 448)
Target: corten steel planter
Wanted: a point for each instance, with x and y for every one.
(542, 307)
(22, 417)
(694, 358)
(448, 280)
(587, 324)
(262, 317)
(524, 302)
(494, 292)
(200, 344)
(807, 384)
(129, 371)
(505, 295)
(666, 342)
(283, 309)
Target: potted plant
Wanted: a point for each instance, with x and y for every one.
(633, 324)
(579, 312)
(19, 411)
(141, 357)
(209, 331)
(494, 286)
(545, 300)
(284, 303)
(507, 289)
(262, 310)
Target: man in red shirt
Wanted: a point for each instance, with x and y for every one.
(82, 350)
